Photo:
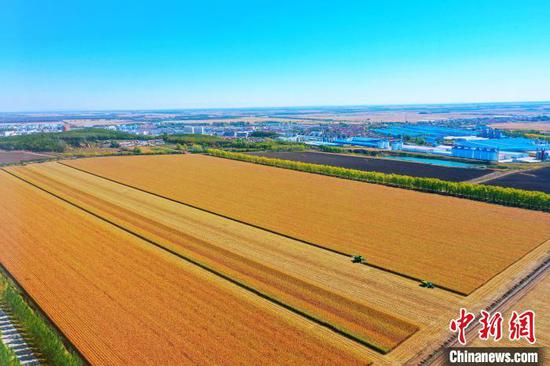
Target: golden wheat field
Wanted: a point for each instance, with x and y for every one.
(537, 300)
(456, 243)
(119, 299)
(320, 283)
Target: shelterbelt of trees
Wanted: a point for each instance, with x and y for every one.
(61, 141)
(479, 192)
(530, 134)
(197, 142)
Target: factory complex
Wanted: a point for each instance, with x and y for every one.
(484, 143)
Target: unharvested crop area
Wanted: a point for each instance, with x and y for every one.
(119, 299)
(323, 284)
(530, 180)
(381, 165)
(455, 243)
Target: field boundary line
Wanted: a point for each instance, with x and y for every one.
(385, 157)
(491, 180)
(511, 264)
(224, 154)
(491, 176)
(408, 277)
(27, 348)
(524, 283)
(31, 302)
(365, 157)
(240, 284)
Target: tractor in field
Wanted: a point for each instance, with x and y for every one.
(426, 284)
(357, 259)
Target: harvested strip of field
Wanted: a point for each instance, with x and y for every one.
(453, 242)
(380, 165)
(121, 300)
(323, 284)
(535, 299)
(531, 180)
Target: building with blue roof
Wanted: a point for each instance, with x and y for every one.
(378, 143)
(518, 144)
(431, 134)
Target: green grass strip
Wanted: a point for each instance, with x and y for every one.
(43, 336)
(7, 357)
(493, 194)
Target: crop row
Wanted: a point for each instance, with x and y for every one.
(420, 235)
(120, 300)
(493, 194)
(43, 337)
(208, 238)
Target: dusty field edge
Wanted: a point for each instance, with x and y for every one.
(240, 284)
(349, 255)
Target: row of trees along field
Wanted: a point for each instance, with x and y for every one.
(207, 141)
(530, 134)
(60, 141)
(494, 194)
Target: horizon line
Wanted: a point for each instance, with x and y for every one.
(271, 107)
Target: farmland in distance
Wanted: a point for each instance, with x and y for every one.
(118, 299)
(381, 165)
(531, 180)
(320, 283)
(9, 157)
(536, 126)
(456, 243)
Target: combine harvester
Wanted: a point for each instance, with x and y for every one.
(426, 284)
(358, 259)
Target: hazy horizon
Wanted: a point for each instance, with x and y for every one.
(275, 107)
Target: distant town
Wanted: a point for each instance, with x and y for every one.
(485, 132)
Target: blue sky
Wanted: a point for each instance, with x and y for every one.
(59, 55)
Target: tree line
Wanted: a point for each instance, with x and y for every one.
(60, 141)
(530, 134)
(479, 192)
(195, 141)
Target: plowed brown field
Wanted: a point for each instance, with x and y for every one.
(121, 300)
(323, 284)
(18, 156)
(456, 243)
